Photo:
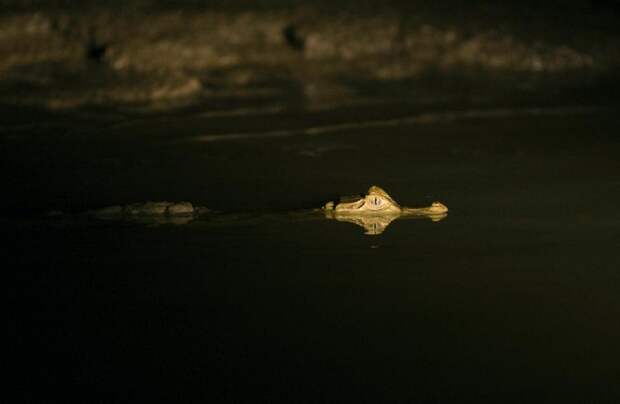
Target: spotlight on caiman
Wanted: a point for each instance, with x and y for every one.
(376, 210)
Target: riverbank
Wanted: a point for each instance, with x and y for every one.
(154, 54)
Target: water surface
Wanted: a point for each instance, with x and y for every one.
(513, 297)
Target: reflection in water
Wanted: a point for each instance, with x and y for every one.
(375, 225)
(152, 220)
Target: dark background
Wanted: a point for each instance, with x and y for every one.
(507, 113)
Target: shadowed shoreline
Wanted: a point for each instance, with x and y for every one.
(149, 53)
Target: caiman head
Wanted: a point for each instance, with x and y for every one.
(376, 210)
(375, 202)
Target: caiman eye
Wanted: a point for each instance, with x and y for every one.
(376, 201)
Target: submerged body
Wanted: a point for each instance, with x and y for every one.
(150, 209)
(152, 212)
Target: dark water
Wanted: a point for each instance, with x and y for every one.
(514, 297)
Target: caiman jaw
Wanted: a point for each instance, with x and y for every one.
(350, 206)
(437, 209)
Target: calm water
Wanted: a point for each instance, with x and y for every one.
(513, 297)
